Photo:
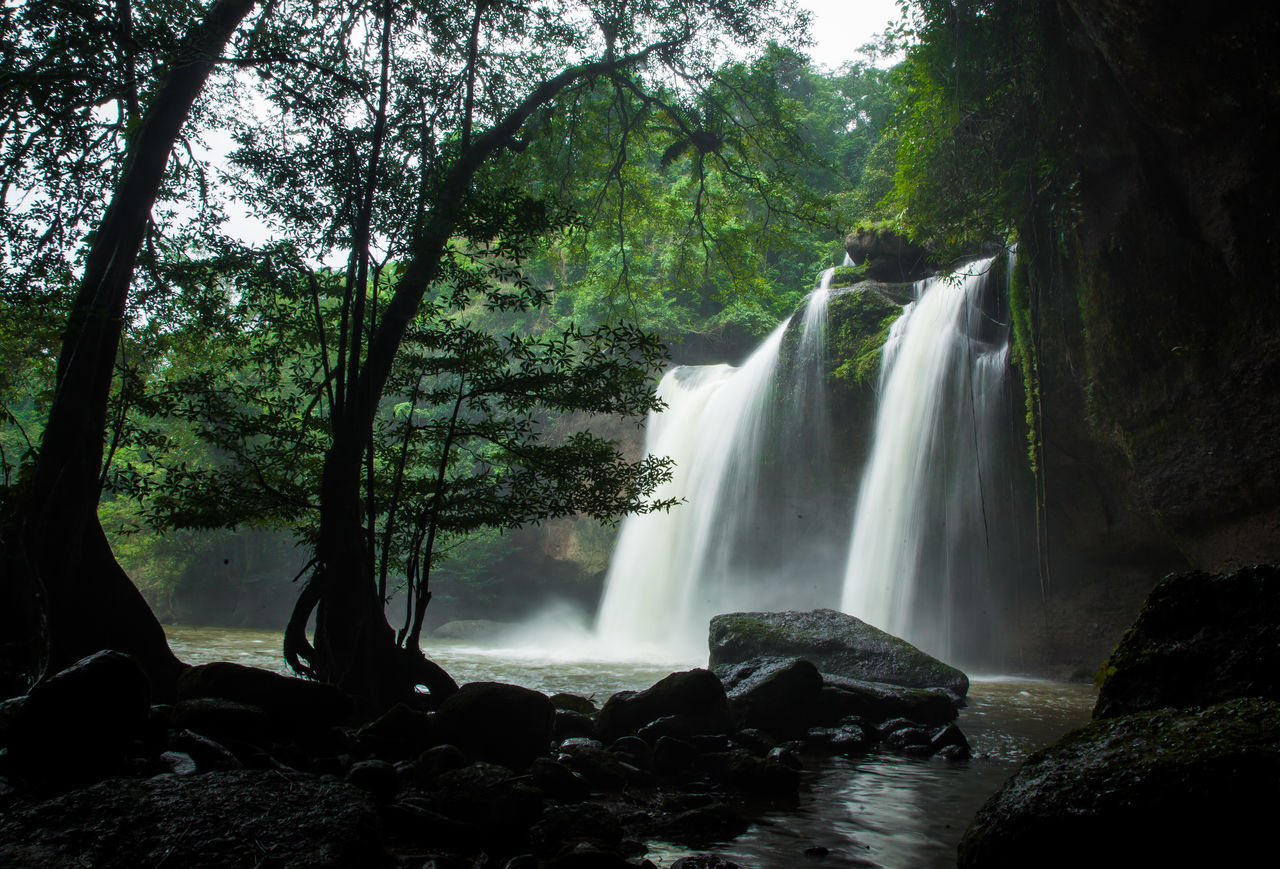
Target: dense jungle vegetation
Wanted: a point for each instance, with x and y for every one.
(473, 243)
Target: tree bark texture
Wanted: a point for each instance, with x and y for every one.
(90, 602)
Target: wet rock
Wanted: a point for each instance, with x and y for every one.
(906, 737)
(491, 797)
(602, 769)
(755, 741)
(695, 695)
(673, 755)
(399, 732)
(745, 773)
(561, 825)
(588, 856)
(1169, 787)
(951, 740)
(178, 763)
(224, 721)
(278, 819)
(633, 750)
(677, 726)
(76, 726)
(498, 723)
(834, 642)
(558, 781)
(877, 701)
(411, 818)
(439, 759)
(849, 740)
(295, 703)
(888, 256)
(377, 777)
(209, 755)
(777, 695)
(786, 756)
(1199, 639)
(574, 703)
(705, 861)
(569, 724)
(705, 825)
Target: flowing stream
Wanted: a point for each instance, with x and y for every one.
(880, 810)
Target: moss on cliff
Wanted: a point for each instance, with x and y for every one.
(858, 325)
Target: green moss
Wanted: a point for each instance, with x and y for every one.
(859, 323)
(847, 276)
(1026, 355)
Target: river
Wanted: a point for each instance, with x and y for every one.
(880, 810)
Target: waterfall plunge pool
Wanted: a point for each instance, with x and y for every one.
(879, 810)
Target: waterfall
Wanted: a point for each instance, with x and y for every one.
(769, 518)
(922, 554)
(725, 429)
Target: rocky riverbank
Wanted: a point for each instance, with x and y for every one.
(1181, 765)
(252, 768)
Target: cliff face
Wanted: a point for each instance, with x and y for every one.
(1156, 314)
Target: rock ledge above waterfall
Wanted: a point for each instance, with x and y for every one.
(836, 643)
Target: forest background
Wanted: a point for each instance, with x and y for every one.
(696, 207)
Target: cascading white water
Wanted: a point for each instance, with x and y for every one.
(670, 572)
(920, 547)
(667, 571)
(765, 521)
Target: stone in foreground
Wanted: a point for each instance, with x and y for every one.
(206, 821)
(1199, 639)
(835, 643)
(1189, 787)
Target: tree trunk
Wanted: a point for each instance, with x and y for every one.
(355, 646)
(90, 602)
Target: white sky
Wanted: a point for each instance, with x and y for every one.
(840, 27)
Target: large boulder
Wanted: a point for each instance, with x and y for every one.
(1164, 788)
(695, 697)
(205, 821)
(289, 701)
(75, 726)
(1199, 639)
(836, 643)
(877, 701)
(499, 723)
(888, 256)
(776, 695)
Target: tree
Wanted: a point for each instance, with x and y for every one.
(393, 133)
(60, 556)
(466, 92)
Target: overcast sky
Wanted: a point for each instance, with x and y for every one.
(841, 26)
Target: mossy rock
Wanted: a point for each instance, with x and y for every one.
(1191, 787)
(888, 256)
(835, 643)
(859, 320)
(1199, 639)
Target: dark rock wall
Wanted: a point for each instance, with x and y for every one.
(1157, 312)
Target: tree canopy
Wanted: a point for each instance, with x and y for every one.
(459, 161)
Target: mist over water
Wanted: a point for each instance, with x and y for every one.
(918, 545)
(921, 560)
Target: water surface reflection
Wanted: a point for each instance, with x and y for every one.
(881, 810)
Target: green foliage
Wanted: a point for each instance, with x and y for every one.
(724, 207)
(673, 192)
(859, 326)
(972, 146)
